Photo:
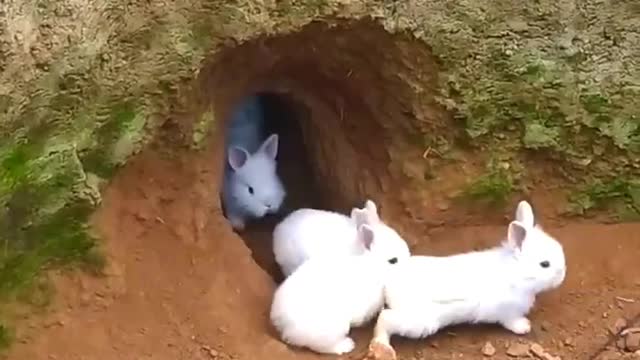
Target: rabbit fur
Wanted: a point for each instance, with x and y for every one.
(306, 233)
(316, 306)
(497, 285)
(251, 186)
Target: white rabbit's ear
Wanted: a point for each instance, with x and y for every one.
(372, 212)
(365, 232)
(270, 146)
(237, 157)
(524, 214)
(516, 234)
(359, 216)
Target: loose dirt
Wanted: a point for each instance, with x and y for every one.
(181, 285)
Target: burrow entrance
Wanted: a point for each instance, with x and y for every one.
(349, 100)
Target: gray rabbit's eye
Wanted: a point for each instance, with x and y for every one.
(250, 190)
(545, 264)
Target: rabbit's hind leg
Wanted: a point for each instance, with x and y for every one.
(409, 323)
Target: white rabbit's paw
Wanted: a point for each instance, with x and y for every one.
(519, 326)
(344, 346)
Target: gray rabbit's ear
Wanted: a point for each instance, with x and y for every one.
(237, 157)
(270, 146)
(517, 233)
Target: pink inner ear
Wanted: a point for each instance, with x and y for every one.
(517, 234)
(366, 234)
(270, 146)
(237, 157)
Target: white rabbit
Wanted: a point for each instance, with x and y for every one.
(306, 233)
(251, 186)
(497, 285)
(316, 306)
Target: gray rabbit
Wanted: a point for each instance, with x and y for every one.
(251, 186)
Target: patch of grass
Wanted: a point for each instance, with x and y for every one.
(621, 131)
(201, 33)
(14, 163)
(99, 160)
(494, 187)
(602, 194)
(201, 128)
(13, 167)
(6, 337)
(63, 240)
(537, 136)
(594, 103)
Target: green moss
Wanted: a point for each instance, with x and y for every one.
(623, 132)
(538, 136)
(595, 103)
(201, 33)
(63, 239)
(624, 194)
(100, 159)
(42, 217)
(494, 187)
(202, 127)
(13, 166)
(6, 337)
(16, 156)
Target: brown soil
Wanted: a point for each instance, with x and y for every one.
(182, 285)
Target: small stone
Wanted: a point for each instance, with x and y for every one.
(545, 326)
(582, 324)
(630, 330)
(618, 326)
(518, 350)
(141, 215)
(442, 206)
(488, 349)
(85, 298)
(632, 342)
(537, 350)
(213, 353)
(59, 320)
(569, 342)
(620, 343)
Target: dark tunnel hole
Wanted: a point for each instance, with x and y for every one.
(283, 115)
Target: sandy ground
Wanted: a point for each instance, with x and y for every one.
(180, 285)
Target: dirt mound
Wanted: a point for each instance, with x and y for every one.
(181, 285)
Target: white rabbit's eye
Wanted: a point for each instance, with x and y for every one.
(545, 264)
(250, 190)
(393, 260)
